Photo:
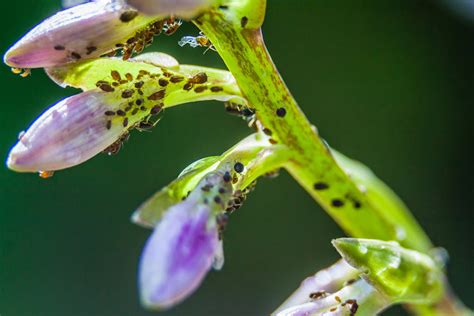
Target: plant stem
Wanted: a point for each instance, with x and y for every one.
(312, 163)
(239, 42)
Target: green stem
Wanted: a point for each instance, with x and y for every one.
(238, 39)
(312, 163)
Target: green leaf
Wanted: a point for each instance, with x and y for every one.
(401, 274)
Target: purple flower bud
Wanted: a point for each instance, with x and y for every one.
(178, 255)
(69, 133)
(85, 31)
(185, 9)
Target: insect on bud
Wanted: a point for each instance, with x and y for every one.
(82, 32)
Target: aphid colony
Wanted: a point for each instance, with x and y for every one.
(141, 98)
(133, 45)
(143, 38)
(350, 303)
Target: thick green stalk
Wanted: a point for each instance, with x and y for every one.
(312, 163)
(235, 32)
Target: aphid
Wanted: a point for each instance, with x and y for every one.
(45, 174)
(199, 41)
(354, 306)
(106, 87)
(171, 25)
(320, 186)
(127, 16)
(146, 125)
(199, 78)
(76, 56)
(115, 75)
(22, 72)
(239, 167)
(272, 174)
(222, 221)
(117, 145)
(318, 295)
(91, 49)
(239, 196)
(281, 112)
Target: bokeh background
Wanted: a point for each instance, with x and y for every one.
(387, 82)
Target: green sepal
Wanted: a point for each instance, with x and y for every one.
(151, 211)
(401, 274)
(219, 84)
(256, 153)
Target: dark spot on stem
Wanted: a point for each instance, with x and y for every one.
(127, 93)
(163, 82)
(244, 21)
(176, 79)
(337, 203)
(155, 110)
(59, 47)
(115, 75)
(321, 186)
(239, 167)
(281, 112)
(216, 89)
(157, 95)
(267, 131)
(200, 89)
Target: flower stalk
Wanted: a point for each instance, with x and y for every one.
(236, 35)
(255, 153)
(118, 96)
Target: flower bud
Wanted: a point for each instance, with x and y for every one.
(82, 32)
(178, 255)
(185, 245)
(120, 96)
(71, 132)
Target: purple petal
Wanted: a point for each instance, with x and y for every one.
(178, 255)
(69, 133)
(181, 8)
(85, 31)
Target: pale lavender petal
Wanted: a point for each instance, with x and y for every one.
(71, 132)
(356, 298)
(81, 32)
(178, 255)
(182, 8)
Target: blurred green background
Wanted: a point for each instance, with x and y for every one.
(387, 82)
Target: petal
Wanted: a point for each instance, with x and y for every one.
(178, 255)
(183, 8)
(69, 133)
(81, 32)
